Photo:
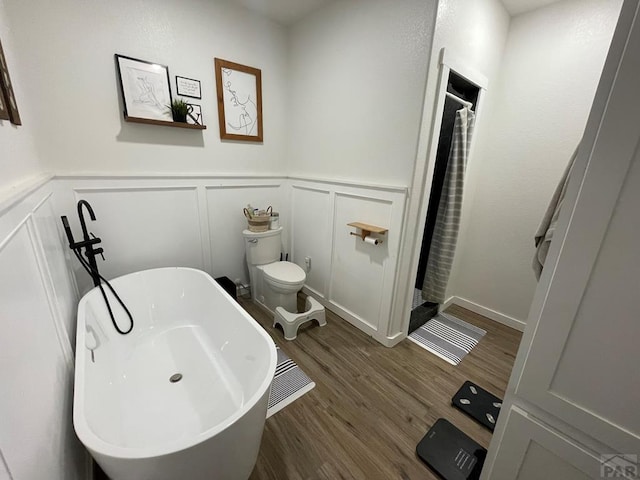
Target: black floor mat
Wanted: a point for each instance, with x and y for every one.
(475, 401)
(451, 453)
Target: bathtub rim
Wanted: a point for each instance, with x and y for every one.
(94, 443)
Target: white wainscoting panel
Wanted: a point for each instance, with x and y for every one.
(57, 257)
(352, 278)
(159, 221)
(143, 227)
(225, 203)
(312, 215)
(197, 221)
(358, 268)
(36, 364)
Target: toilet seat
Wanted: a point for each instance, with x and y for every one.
(284, 273)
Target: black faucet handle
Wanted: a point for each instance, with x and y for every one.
(99, 251)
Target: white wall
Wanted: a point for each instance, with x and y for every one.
(70, 77)
(549, 73)
(357, 72)
(37, 314)
(19, 158)
(474, 33)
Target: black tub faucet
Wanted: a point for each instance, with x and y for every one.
(88, 241)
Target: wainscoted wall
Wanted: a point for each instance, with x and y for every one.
(352, 278)
(148, 222)
(36, 360)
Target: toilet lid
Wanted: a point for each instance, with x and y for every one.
(284, 272)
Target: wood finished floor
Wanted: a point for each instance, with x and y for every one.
(372, 404)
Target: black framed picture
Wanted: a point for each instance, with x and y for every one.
(8, 104)
(188, 87)
(145, 88)
(194, 117)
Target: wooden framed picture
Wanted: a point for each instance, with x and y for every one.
(239, 90)
(4, 110)
(194, 117)
(188, 87)
(8, 104)
(145, 88)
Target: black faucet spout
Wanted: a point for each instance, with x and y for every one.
(84, 203)
(87, 243)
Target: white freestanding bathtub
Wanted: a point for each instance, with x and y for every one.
(135, 422)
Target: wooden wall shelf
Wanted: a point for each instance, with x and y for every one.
(164, 123)
(366, 229)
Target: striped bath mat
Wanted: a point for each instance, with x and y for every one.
(289, 384)
(447, 337)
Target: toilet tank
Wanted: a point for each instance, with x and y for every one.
(263, 247)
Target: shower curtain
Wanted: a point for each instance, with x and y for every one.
(445, 233)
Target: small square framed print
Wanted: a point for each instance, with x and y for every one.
(188, 87)
(194, 117)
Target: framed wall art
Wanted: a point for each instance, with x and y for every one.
(145, 89)
(188, 87)
(4, 110)
(239, 90)
(8, 104)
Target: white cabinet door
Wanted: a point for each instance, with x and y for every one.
(530, 450)
(582, 363)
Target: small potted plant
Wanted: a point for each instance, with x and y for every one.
(179, 110)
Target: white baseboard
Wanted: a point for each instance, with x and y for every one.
(393, 340)
(447, 304)
(346, 315)
(486, 312)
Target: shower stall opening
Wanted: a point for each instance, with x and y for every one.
(442, 214)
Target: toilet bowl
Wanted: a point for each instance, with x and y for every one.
(275, 284)
(282, 282)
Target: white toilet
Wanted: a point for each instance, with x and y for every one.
(275, 284)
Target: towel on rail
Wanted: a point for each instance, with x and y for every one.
(547, 227)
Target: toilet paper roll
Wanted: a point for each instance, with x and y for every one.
(371, 240)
